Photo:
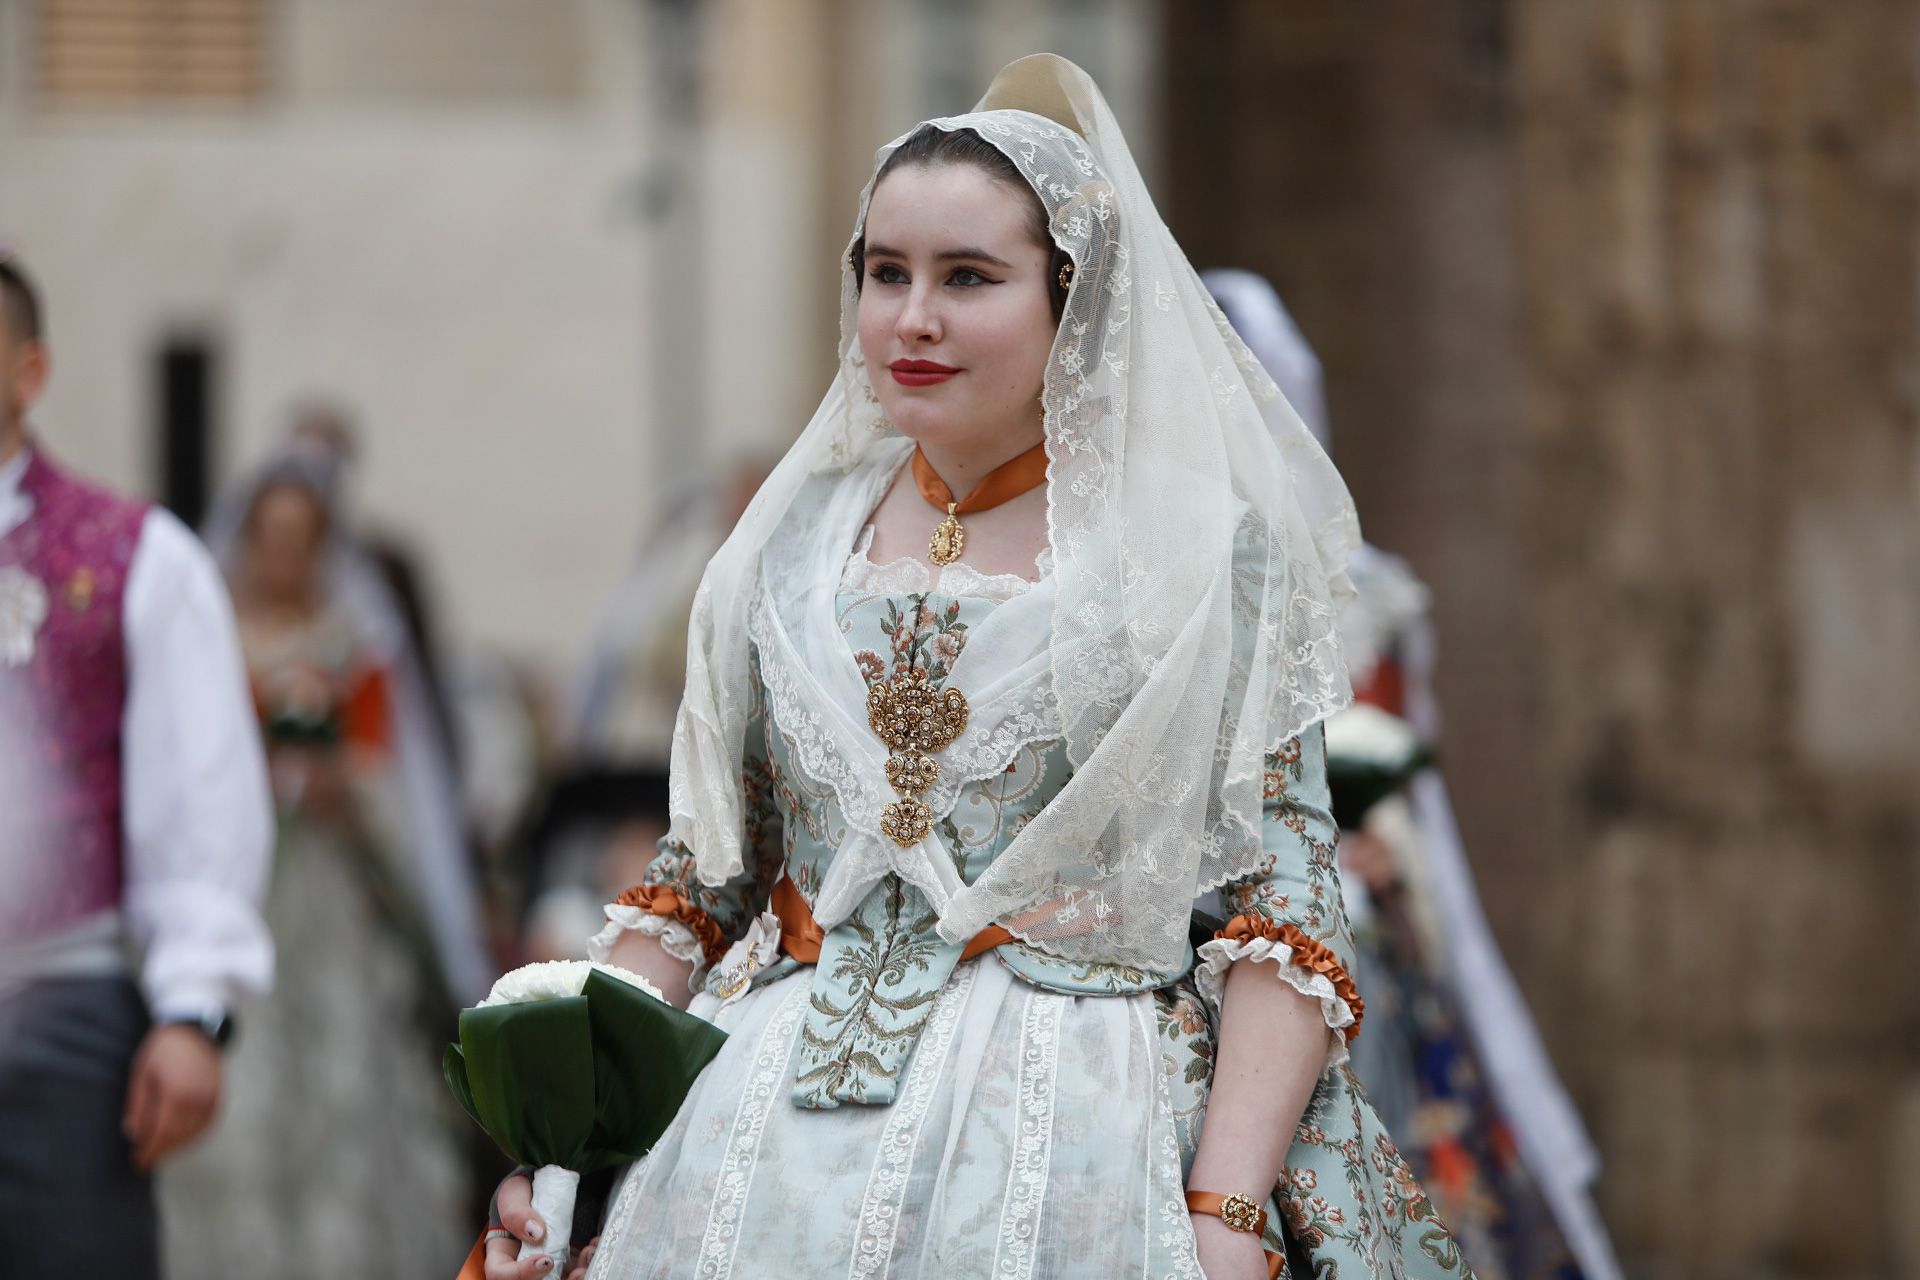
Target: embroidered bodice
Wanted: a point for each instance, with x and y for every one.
(878, 972)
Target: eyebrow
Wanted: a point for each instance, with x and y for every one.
(968, 253)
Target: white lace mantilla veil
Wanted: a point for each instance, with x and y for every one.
(1199, 539)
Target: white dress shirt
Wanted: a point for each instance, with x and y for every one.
(197, 812)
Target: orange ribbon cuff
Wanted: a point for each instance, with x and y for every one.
(662, 900)
(1308, 953)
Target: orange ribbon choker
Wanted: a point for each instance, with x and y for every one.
(1009, 480)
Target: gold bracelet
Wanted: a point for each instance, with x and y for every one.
(1239, 1212)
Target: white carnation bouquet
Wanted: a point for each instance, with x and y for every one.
(571, 1067)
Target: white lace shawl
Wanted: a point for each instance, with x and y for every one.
(1199, 539)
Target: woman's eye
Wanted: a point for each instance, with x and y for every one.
(887, 273)
(967, 276)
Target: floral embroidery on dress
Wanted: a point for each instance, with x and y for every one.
(1323, 917)
(1384, 1203)
(875, 985)
(1183, 1021)
(920, 637)
(1112, 977)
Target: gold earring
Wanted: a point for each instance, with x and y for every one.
(1066, 276)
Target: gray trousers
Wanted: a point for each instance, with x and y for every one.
(66, 1171)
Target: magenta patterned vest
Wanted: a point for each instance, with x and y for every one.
(63, 689)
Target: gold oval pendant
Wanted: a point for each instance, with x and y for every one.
(948, 541)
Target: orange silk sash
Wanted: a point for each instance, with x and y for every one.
(801, 935)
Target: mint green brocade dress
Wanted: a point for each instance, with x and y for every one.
(894, 1110)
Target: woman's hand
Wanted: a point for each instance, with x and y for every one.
(1225, 1254)
(514, 1200)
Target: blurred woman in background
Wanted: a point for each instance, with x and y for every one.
(342, 1153)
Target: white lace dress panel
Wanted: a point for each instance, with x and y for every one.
(1016, 1149)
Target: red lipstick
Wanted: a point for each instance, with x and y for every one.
(920, 373)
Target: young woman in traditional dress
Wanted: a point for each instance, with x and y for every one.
(1024, 645)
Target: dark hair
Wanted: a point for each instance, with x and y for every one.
(20, 299)
(930, 146)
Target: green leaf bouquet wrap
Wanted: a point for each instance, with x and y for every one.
(573, 1067)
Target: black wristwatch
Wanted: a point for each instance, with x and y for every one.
(217, 1027)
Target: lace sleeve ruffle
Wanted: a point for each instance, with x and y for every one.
(685, 931)
(1308, 966)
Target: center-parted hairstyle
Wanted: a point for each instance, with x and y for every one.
(930, 146)
(1197, 538)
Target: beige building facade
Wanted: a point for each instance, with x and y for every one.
(557, 258)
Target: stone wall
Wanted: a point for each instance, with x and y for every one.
(1718, 234)
(1618, 307)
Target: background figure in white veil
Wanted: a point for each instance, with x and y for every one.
(341, 1153)
(351, 580)
(1427, 929)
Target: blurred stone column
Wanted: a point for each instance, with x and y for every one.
(1717, 208)
(1619, 306)
(1357, 154)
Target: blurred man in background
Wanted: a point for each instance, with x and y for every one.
(135, 828)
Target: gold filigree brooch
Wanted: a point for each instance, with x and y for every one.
(913, 719)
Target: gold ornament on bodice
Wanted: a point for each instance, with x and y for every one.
(908, 714)
(913, 719)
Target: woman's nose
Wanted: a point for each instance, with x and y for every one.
(919, 317)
